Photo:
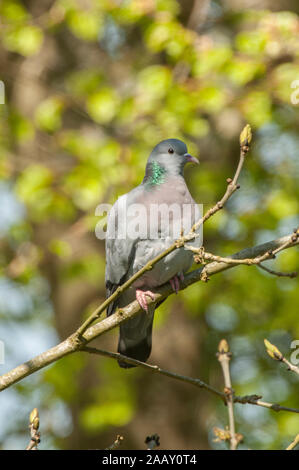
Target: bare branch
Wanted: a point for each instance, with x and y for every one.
(256, 400)
(224, 356)
(294, 443)
(116, 443)
(33, 426)
(274, 352)
(182, 378)
(278, 273)
(73, 343)
(247, 399)
(202, 255)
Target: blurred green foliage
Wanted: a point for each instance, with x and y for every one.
(90, 88)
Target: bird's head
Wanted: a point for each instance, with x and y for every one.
(169, 157)
(172, 152)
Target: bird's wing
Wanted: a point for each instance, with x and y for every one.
(119, 248)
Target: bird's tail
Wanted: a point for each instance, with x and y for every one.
(135, 337)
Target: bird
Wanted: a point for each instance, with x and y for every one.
(163, 185)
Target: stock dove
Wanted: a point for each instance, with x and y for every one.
(132, 241)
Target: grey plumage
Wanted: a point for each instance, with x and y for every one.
(163, 183)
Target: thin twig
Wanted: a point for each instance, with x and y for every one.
(33, 426)
(275, 353)
(256, 400)
(202, 255)
(154, 368)
(116, 443)
(224, 357)
(294, 443)
(278, 273)
(247, 399)
(291, 366)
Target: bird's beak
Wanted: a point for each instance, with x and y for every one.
(191, 159)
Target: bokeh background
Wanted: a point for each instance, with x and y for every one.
(90, 87)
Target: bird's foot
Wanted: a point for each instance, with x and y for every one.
(141, 298)
(175, 282)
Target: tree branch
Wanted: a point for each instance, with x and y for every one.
(153, 368)
(247, 399)
(116, 443)
(224, 357)
(278, 273)
(256, 400)
(73, 343)
(294, 443)
(274, 352)
(33, 426)
(202, 256)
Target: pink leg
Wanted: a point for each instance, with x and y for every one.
(175, 284)
(141, 298)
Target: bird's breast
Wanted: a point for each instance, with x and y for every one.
(169, 210)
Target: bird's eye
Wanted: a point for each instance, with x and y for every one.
(170, 150)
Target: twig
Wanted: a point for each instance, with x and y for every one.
(245, 139)
(202, 256)
(152, 441)
(278, 273)
(256, 400)
(224, 356)
(247, 399)
(72, 344)
(232, 184)
(33, 426)
(154, 368)
(294, 443)
(274, 352)
(116, 443)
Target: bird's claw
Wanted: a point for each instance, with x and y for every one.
(175, 282)
(141, 298)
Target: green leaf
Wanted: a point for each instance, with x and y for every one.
(153, 82)
(211, 98)
(13, 11)
(60, 248)
(252, 42)
(21, 127)
(48, 114)
(99, 416)
(25, 40)
(33, 179)
(257, 108)
(87, 25)
(85, 81)
(241, 71)
(103, 105)
(210, 60)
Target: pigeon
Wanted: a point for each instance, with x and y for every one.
(133, 240)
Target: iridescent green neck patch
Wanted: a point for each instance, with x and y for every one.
(157, 174)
